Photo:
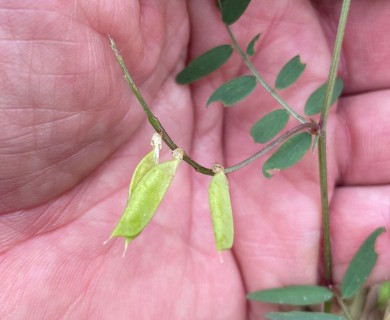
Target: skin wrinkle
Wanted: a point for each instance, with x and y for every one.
(86, 288)
(49, 168)
(186, 270)
(357, 158)
(51, 223)
(96, 217)
(370, 198)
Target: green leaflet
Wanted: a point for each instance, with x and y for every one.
(290, 152)
(221, 211)
(316, 100)
(205, 64)
(293, 295)
(250, 49)
(232, 10)
(301, 315)
(269, 126)
(146, 196)
(289, 73)
(233, 91)
(361, 265)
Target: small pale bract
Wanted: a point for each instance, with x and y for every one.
(156, 143)
(221, 210)
(145, 196)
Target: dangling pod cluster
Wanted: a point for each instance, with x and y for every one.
(149, 185)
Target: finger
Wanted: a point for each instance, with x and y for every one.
(356, 212)
(366, 44)
(60, 115)
(208, 122)
(362, 139)
(277, 230)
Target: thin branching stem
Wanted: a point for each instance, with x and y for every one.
(260, 79)
(323, 171)
(158, 127)
(344, 307)
(335, 62)
(275, 143)
(153, 120)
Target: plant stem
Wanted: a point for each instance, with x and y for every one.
(335, 62)
(327, 252)
(278, 141)
(343, 307)
(153, 120)
(158, 127)
(259, 78)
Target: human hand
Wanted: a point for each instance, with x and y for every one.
(73, 133)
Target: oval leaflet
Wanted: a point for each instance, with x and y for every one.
(293, 295)
(233, 91)
(290, 152)
(316, 100)
(289, 73)
(361, 265)
(269, 125)
(205, 64)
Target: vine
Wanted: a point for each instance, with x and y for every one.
(288, 148)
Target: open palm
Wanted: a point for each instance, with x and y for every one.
(72, 133)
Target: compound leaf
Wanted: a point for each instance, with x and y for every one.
(232, 10)
(301, 315)
(361, 265)
(233, 91)
(250, 49)
(288, 154)
(293, 295)
(269, 126)
(316, 100)
(289, 73)
(205, 64)
(221, 211)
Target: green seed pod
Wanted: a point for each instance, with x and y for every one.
(221, 209)
(147, 163)
(146, 194)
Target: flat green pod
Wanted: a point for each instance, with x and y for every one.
(146, 196)
(221, 210)
(147, 163)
